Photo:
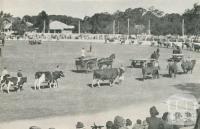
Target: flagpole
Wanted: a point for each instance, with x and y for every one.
(79, 27)
(118, 26)
(128, 26)
(44, 27)
(114, 27)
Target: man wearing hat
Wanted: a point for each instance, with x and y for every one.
(79, 125)
(3, 73)
(153, 121)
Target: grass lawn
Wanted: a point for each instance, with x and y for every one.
(74, 96)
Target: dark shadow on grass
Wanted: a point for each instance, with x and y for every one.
(137, 66)
(41, 87)
(11, 90)
(193, 88)
(166, 75)
(101, 84)
(146, 78)
(80, 71)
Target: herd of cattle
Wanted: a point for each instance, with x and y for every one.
(51, 78)
(149, 68)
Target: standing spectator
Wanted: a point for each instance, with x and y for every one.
(153, 121)
(197, 124)
(83, 52)
(138, 125)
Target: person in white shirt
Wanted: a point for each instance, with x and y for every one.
(83, 52)
(4, 72)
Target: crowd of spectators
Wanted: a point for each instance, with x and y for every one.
(151, 122)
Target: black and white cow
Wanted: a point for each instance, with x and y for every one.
(47, 77)
(9, 81)
(107, 74)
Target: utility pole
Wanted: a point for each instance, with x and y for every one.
(149, 27)
(183, 27)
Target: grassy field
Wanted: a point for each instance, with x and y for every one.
(74, 96)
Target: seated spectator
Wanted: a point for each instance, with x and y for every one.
(138, 125)
(128, 123)
(79, 125)
(119, 123)
(34, 127)
(109, 125)
(145, 124)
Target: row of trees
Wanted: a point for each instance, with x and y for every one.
(161, 24)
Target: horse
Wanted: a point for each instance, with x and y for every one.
(188, 45)
(188, 66)
(150, 69)
(106, 61)
(172, 68)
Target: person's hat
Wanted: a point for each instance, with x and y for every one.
(154, 111)
(79, 125)
(128, 122)
(109, 124)
(34, 127)
(139, 121)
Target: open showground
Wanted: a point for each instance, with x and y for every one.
(74, 99)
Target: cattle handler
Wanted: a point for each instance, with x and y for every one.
(19, 76)
(4, 72)
(121, 77)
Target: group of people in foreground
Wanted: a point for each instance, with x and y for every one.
(151, 122)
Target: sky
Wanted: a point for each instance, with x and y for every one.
(81, 8)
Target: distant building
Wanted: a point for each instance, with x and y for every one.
(7, 24)
(59, 27)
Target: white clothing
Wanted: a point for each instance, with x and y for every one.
(4, 72)
(83, 52)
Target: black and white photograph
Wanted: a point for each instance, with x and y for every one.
(99, 64)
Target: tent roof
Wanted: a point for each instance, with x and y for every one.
(57, 25)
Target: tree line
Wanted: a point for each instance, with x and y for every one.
(160, 23)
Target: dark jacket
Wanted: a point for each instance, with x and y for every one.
(155, 123)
